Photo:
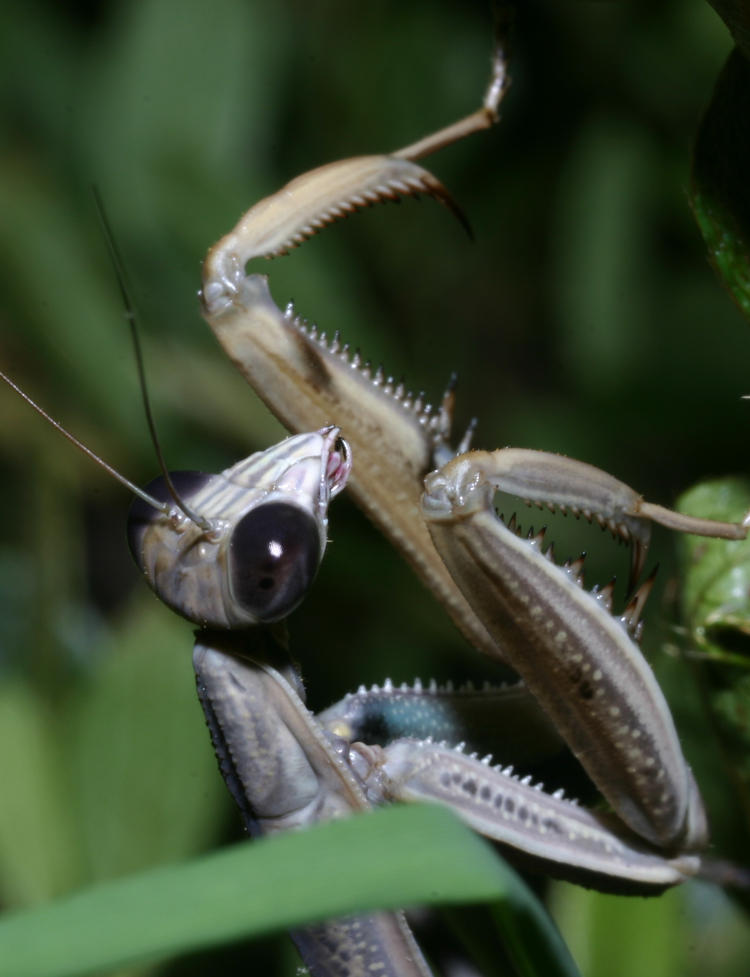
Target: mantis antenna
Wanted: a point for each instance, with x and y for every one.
(130, 315)
(161, 506)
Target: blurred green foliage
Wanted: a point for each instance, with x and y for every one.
(583, 319)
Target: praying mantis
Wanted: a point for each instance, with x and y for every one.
(377, 674)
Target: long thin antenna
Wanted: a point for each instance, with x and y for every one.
(161, 506)
(130, 315)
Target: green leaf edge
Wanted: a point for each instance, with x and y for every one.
(273, 884)
(726, 249)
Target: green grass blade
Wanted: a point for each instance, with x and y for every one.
(332, 870)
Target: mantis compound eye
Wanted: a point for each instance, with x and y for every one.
(241, 547)
(256, 571)
(273, 558)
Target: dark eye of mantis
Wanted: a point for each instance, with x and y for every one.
(274, 556)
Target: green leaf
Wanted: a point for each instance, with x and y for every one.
(335, 869)
(143, 771)
(736, 15)
(716, 573)
(720, 193)
(716, 610)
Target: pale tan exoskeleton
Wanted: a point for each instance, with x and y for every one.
(577, 658)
